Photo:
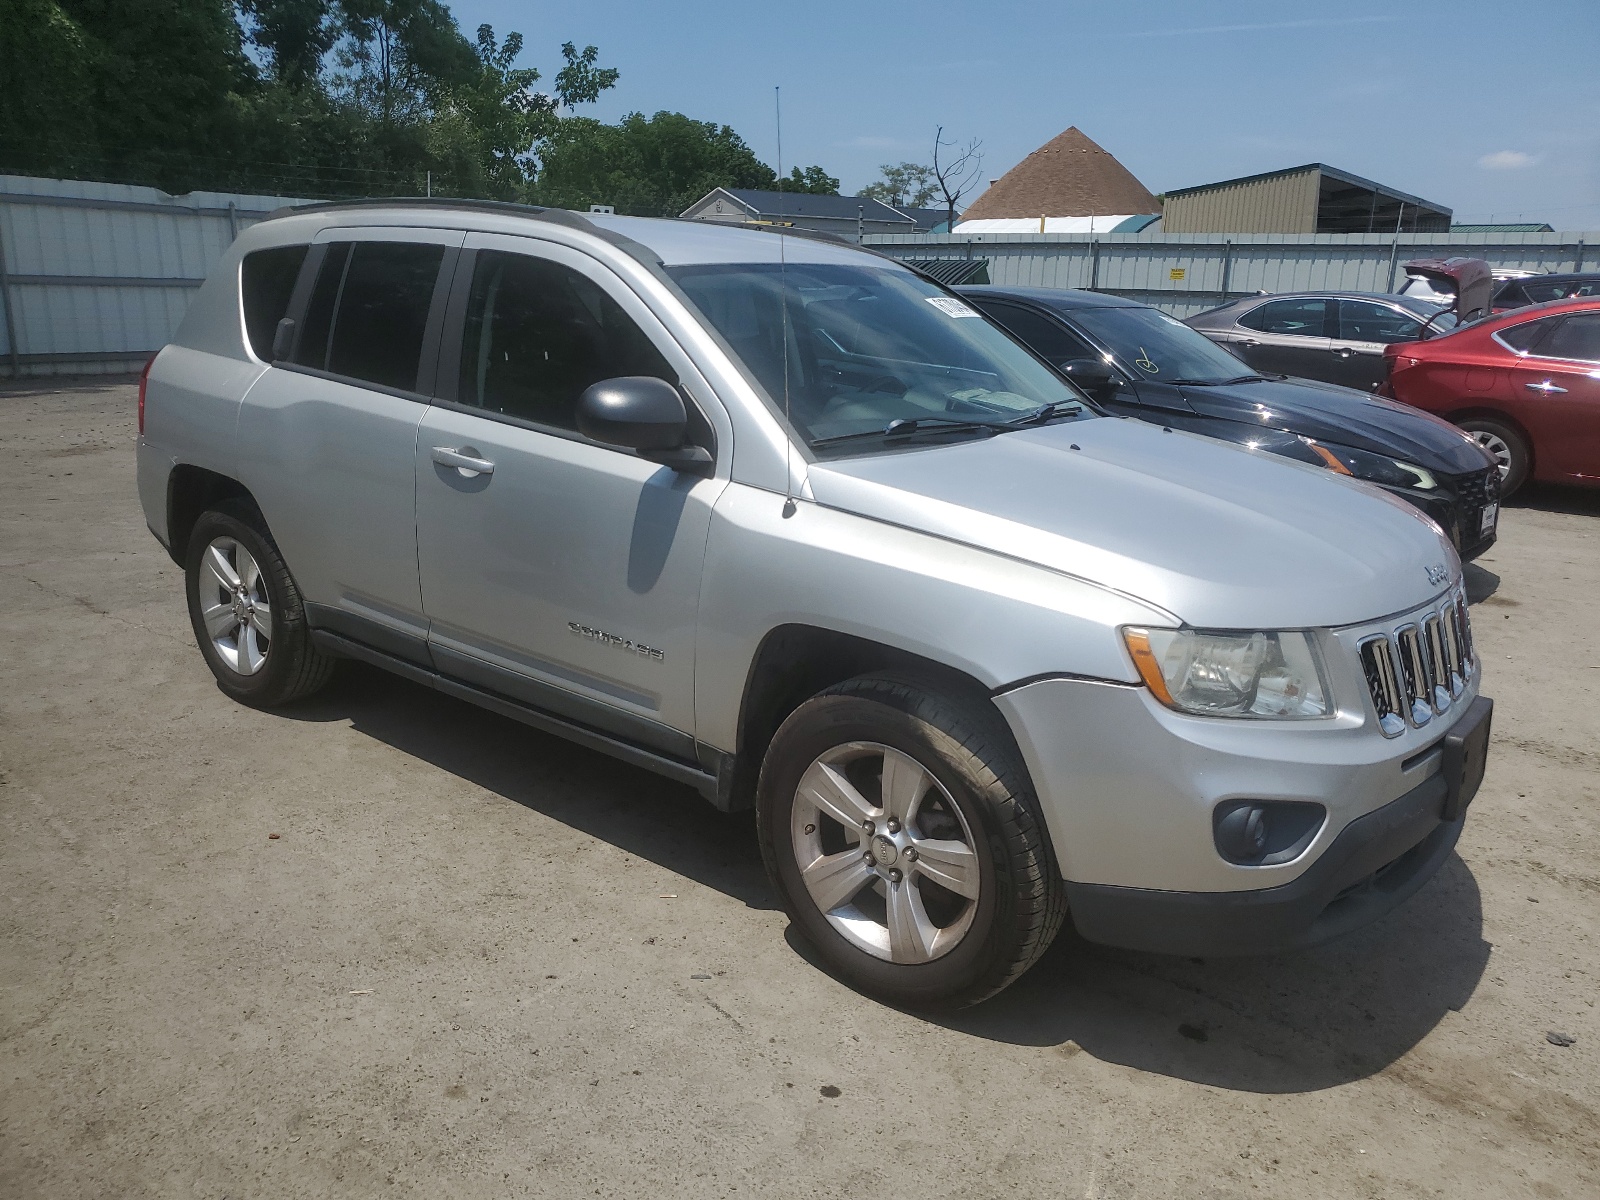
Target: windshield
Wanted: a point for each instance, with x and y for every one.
(1154, 346)
(868, 346)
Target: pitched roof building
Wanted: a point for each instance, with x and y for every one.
(842, 215)
(1063, 186)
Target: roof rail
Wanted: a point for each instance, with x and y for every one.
(556, 216)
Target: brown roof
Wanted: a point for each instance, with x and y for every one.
(1069, 176)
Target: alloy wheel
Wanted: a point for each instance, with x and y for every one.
(1497, 447)
(235, 606)
(885, 852)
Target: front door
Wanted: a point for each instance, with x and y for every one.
(327, 439)
(1286, 337)
(557, 570)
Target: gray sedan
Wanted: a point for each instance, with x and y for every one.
(1337, 337)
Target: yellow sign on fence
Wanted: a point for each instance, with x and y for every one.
(1176, 273)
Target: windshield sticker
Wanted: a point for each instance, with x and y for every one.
(951, 307)
(1144, 364)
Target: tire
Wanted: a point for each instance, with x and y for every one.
(1509, 447)
(268, 660)
(970, 817)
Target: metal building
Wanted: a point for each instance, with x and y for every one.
(1314, 198)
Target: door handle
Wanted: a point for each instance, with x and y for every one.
(1249, 342)
(1548, 388)
(465, 460)
(1345, 351)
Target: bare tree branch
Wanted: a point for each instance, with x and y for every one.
(955, 176)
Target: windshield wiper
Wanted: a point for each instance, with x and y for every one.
(1221, 382)
(908, 426)
(1044, 412)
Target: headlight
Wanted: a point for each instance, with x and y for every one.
(1232, 674)
(1346, 460)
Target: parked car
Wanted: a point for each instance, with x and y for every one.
(1540, 289)
(1335, 337)
(1422, 285)
(1525, 383)
(788, 523)
(1137, 361)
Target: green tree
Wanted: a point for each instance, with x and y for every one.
(650, 166)
(909, 185)
(295, 36)
(813, 180)
(45, 112)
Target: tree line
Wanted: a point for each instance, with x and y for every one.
(331, 98)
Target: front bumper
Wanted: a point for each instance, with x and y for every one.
(1128, 790)
(1376, 863)
(1458, 507)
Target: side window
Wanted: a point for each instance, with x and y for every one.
(383, 311)
(1538, 292)
(313, 348)
(1043, 336)
(368, 311)
(1577, 337)
(266, 281)
(538, 334)
(1523, 338)
(1301, 318)
(1360, 321)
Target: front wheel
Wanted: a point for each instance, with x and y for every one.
(901, 833)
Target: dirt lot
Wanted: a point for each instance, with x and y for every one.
(478, 961)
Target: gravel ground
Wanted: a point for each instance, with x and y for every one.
(479, 961)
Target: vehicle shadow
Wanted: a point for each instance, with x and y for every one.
(657, 820)
(1283, 1024)
(1558, 498)
(1288, 1023)
(1481, 582)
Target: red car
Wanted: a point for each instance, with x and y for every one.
(1525, 383)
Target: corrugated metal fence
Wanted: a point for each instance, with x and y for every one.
(95, 277)
(1188, 273)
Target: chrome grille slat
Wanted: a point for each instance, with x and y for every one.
(1419, 669)
(1438, 664)
(1377, 663)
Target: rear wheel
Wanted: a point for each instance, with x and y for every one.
(1507, 446)
(901, 833)
(246, 611)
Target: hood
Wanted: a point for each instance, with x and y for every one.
(1343, 416)
(1217, 535)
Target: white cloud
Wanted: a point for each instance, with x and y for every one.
(1506, 160)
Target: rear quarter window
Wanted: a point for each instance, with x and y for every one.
(266, 281)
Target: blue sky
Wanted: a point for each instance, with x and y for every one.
(1491, 108)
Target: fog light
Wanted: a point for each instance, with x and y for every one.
(1242, 833)
(1261, 833)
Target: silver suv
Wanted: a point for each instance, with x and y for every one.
(787, 522)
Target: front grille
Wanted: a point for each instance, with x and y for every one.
(1417, 671)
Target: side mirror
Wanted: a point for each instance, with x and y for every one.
(1093, 375)
(283, 340)
(643, 414)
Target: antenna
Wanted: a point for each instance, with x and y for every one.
(783, 303)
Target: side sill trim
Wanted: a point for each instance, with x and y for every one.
(702, 781)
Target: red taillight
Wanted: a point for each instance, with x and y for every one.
(144, 381)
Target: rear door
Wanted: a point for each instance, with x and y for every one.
(327, 438)
(1558, 389)
(1287, 337)
(1365, 328)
